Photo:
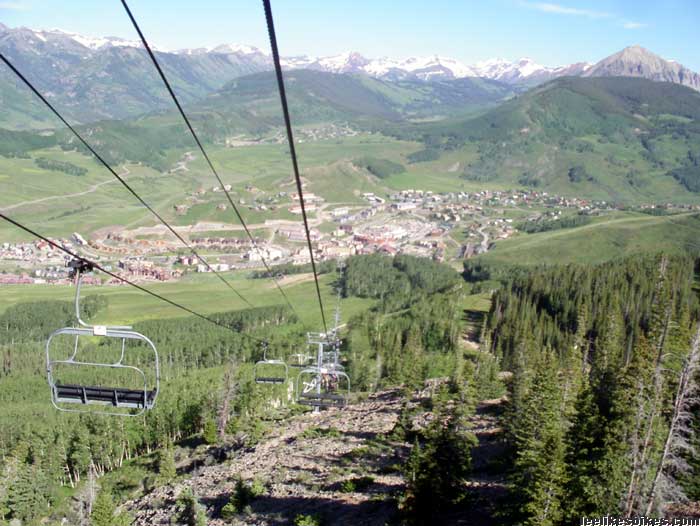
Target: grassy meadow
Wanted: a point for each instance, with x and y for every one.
(203, 293)
(607, 237)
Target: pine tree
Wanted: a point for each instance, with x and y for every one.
(190, 511)
(167, 470)
(585, 441)
(209, 433)
(10, 472)
(27, 498)
(436, 472)
(79, 456)
(412, 357)
(539, 441)
(103, 510)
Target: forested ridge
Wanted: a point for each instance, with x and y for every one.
(604, 363)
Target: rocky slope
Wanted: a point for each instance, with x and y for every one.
(306, 462)
(303, 465)
(635, 61)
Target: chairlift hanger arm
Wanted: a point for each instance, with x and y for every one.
(78, 268)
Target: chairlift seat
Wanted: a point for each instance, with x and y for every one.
(270, 370)
(118, 397)
(322, 400)
(269, 380)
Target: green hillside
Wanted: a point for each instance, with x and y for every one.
(116, 83)
(618, 139)
(251, 104)
(250, 107)
(606, 238)
(615, 139)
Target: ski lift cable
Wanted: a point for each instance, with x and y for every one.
(292, 149)
(118, 177)
(204, 153)
(128, 282)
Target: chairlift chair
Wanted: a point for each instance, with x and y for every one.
(270, 371)
(320, 387)
(131, 401)
(299, 360)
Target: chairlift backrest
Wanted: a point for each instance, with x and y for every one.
(325, 384)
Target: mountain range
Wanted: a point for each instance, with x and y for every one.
(110, 77)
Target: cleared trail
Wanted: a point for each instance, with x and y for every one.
(305, 461)
(303, 474)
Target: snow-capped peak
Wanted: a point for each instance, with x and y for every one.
(527, 67)
(422, 67)
(223, 49)
(500, 69)
(430, 67)
(237, 49)
(344, 63)
(89, 42)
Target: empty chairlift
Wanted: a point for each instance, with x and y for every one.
(100, 369)
(270, 371)
(300, 360)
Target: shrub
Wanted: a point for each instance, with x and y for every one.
(532, 227)
(165, 460)
(578, 174)
(307, 520)
(209, 434)
(60, 166)
(381, 168)
(356, 484)
(320, 432)
(421, 156)
(229, 511)
(190, 512)
(243, 494)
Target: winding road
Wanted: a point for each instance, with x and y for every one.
(90, 190)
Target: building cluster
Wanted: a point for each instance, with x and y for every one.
(318, 133)
(118, 243)
(294, 232)
(311, 202)
(413, 221)
(39, 252)
(138, 268)
(413, 199)
(221, 244)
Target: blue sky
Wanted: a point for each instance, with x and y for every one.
(551, 32)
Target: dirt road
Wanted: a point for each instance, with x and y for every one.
(90, 190)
